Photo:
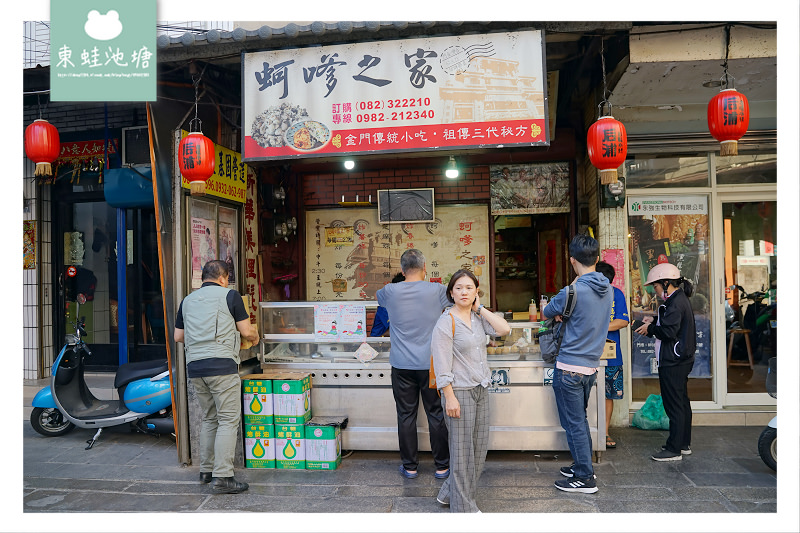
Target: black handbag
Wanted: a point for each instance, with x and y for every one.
(550, 340)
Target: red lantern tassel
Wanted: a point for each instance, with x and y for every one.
(43, 169)
(197, 187)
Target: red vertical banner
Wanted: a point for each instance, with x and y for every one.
(615, 257)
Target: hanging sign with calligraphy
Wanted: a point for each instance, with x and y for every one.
(466, 91)
(229, 179)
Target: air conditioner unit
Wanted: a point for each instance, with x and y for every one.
(135, 146)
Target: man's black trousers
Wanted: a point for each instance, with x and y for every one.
(407, 387)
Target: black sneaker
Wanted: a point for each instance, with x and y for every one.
(684, 451)
(566, 471)
(666, 455)
(205, 477)
(228, 485)
(587, 486)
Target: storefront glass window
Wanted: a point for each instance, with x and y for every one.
(673, 229)
(751, 168)
(751, 278)
(647, 172)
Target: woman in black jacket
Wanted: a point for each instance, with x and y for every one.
(676, 339)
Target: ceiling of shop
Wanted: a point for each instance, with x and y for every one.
(658, 93)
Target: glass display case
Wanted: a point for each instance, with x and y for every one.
(521, 402)
(288, 336)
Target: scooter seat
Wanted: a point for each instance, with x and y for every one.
(133, 371)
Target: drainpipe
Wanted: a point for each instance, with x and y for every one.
(122, 288)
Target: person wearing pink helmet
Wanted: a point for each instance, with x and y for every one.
(676, 337)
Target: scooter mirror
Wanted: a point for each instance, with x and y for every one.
(81, 298)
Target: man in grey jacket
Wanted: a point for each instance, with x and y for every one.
(210, 323)
(414, 306)
(578, 359)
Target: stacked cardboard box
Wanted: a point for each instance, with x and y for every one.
(324, 442)
(277, 404)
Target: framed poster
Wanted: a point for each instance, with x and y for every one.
(530, 188)
(397, 206)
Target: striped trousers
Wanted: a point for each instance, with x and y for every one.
(469, 442)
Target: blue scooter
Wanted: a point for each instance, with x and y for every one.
(143, 388)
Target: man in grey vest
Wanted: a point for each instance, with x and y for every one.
(210, 323)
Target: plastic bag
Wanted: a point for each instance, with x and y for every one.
(365, 353)
(651, 415)
(549, 340)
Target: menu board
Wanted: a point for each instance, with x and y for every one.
(458, 238)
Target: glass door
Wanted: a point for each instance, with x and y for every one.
(85, 240)
(749, 280)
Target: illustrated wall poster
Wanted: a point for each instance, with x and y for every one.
(429, 93)
(227, 249)
(459, 238)
(616, 258)
(28, 244)
(204, 247)
(532, 188)
(353, 320)
(327, 322)
(670, 229)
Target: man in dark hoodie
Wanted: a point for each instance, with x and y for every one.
(578, 359)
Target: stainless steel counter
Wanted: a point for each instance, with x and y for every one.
(522, 406)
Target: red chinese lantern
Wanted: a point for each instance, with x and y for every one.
(608, 146)
(728, 118)
(42, 146)
(196, 156)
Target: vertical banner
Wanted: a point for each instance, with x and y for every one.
(103, 51)
(616, 258)
(396, 95)
(250, 245)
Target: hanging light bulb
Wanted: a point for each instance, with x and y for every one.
(349, 164)
(452, 169)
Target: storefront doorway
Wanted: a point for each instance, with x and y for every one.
(85, 249)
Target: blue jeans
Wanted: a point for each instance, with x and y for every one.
(572, 398)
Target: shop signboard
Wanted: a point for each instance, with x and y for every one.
(229, 179)
(431, 93)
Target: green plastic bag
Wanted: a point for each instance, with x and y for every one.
(651, 415)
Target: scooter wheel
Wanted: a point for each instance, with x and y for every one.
(50, 422)
(768, 447)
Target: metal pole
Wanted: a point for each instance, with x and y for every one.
(122, 286)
